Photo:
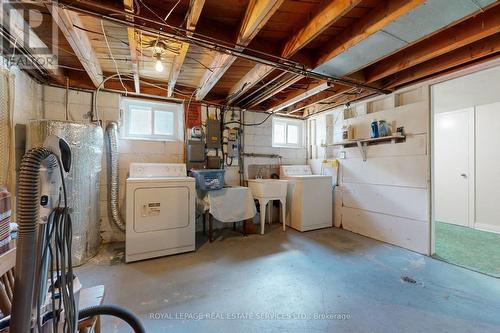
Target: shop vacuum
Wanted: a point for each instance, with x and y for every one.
(46, 292)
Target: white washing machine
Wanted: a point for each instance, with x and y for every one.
(160, 207)
(309, 198)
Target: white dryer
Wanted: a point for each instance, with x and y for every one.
(309, 198)
(160, 205)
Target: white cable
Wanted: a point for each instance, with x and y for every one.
(111, 54)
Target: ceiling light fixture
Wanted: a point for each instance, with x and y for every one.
(159, 64)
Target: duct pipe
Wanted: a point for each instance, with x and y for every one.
(28, 203)
(113, 209)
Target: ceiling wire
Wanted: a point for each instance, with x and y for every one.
(111, 54)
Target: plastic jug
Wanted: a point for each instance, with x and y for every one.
(382, 128)
(374, 131)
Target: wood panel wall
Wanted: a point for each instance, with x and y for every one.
(387, 197)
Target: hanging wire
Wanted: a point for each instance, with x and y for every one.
(111, 54)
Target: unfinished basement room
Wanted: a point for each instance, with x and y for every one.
(226, 166)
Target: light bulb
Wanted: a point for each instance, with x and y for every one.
(159, 66)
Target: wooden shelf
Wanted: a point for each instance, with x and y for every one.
(363, 143)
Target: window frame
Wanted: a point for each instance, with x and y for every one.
(288, 122)
(154, 106)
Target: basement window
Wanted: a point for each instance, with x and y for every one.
(288, 133)
(146, 120)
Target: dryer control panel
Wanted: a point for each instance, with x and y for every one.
(154, 170)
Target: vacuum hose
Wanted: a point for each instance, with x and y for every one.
(28, 202)
(114, 212)
(115, 311)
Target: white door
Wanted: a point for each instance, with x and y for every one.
(488, 167)
(451, 166)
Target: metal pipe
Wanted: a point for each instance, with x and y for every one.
(261, 87)
(274, 90)
(261, 155)
(208, 43)
(113, 209)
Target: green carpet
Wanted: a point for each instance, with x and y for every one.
(470, 248)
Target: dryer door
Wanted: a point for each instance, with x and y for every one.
(161, 208)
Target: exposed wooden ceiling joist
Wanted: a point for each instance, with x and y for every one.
(473, 52)
(192, 17)
(322, 97)
(132, 44)
(17, 29)
(256, 16)
(276, 88)
(299, 95)
(79, 42)
(480, 26)
(326, 16)
(385, 13)
(257, 73)
(341, 99)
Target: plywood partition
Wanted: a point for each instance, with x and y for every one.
(387, 197)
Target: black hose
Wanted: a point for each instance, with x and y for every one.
(115, 311)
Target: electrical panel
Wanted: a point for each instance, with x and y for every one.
(233, 143)
(213, 136)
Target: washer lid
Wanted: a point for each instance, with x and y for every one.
(309, 177)
(159, 179)
(293, 170)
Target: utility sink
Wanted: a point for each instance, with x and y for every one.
(268, 188)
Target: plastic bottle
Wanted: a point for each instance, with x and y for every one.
(374, 131)
(382, 128)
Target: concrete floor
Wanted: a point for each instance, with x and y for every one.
(375, 286)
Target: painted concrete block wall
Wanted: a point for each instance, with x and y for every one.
(54, 107)
(258, 139)
(386, 197)
(26, 106)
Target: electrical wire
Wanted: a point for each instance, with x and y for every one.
(253, 124)
(111, 54)
(57, 249)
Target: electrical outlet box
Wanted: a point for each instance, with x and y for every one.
(233, 143)
(213, 134)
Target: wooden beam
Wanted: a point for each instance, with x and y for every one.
(256, 16)
(132, 45)
(192, 18)
(287, 82)
(249, 80)
(17, 29)
(385, 13)
(480, 26)
(326, 16)
(299, 95)
(79, 41)
(341, 99)
(483, 48)
(321, 97)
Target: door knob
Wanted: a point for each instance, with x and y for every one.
(463, 175)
